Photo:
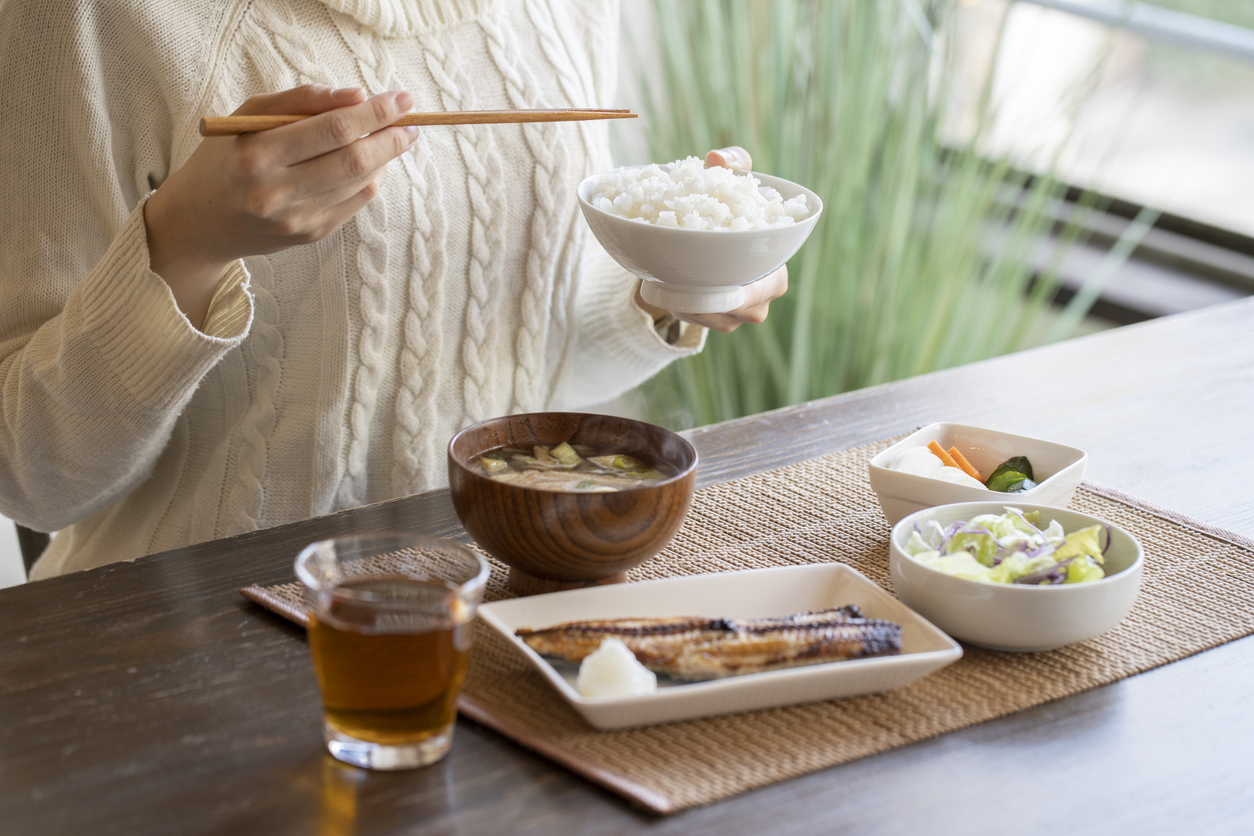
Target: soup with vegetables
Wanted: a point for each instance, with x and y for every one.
(564, 467)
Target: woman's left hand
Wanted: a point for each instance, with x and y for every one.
(759, 295)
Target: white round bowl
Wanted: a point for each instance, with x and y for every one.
(699, 270)
(1017, 617)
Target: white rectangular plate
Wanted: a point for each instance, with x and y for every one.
(756, 593)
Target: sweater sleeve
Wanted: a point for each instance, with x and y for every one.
(96, 360)
(616, 346)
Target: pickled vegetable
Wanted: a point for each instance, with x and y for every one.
(1012, 476)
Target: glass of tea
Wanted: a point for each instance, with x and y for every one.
(390, 627)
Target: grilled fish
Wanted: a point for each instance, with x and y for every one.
(696, 648)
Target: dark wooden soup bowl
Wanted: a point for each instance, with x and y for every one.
(565, 540)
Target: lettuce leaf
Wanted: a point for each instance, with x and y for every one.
(1002, 548)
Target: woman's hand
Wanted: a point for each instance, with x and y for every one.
(260, 193)
(758, 298)
(759, 295)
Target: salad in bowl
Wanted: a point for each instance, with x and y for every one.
(1019, 577)
(1010, 548)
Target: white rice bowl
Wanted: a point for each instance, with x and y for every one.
(687, 195)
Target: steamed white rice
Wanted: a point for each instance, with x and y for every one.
(687, 195)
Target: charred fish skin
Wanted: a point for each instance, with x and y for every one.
(574, 640)
(697, 648)
(682, 625)
(756, 652)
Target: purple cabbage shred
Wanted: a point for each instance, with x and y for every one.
(1048, 548)
(1056, 575)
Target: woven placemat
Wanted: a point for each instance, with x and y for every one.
(1197, 593)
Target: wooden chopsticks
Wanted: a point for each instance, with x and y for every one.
(235, 125)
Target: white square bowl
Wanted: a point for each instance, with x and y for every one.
(1058, 470)
(755, 593)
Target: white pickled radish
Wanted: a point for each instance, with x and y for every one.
(958, 477)
(612, 671)
(917, 461)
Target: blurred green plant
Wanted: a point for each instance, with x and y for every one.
(1237, 13)
(899, 277)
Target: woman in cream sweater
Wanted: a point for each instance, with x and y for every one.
(199, 339)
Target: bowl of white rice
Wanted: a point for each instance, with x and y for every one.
(697, 235)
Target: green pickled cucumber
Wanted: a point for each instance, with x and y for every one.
(1014, 475)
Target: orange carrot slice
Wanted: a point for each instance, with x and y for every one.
(964, 464)
(941, 454)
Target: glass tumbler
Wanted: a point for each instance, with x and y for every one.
(390, 628)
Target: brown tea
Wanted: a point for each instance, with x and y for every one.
(389, 677)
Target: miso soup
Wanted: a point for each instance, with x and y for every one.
(564, 467)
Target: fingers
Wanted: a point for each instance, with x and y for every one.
(294, 184)
(758, 298)
(726, 323)
(308, 98)
(768, 288)
(335, 129)
(316, 205)
(338, 214)
(343, 172)
(311, 193)
(733, 157)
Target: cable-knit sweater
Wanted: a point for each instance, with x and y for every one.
(328, 375)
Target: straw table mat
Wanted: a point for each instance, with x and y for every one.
(1197, 593)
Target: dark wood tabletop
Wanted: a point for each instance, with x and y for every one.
(149, 697)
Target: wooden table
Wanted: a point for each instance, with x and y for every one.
(151, 698)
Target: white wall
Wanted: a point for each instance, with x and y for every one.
(11, 571)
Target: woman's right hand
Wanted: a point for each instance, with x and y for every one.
(263, 192)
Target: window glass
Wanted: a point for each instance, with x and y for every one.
(1130, 115)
